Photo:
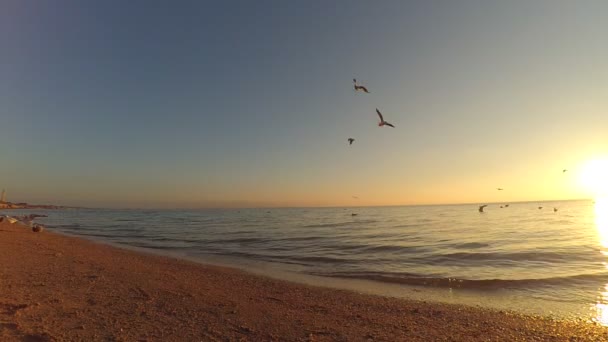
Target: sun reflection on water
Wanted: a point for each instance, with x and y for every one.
(601, 222)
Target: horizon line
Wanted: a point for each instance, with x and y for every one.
(328, 206)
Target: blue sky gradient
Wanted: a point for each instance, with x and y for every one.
(243, 103)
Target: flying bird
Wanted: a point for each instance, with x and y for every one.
(359, 87)
(382, 122)
(564, 170)
(499, 189)
(350, 141)
(481, 207)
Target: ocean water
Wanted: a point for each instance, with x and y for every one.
(518, 257)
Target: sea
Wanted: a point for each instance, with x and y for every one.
(540, 258)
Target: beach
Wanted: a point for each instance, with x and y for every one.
(60, 288)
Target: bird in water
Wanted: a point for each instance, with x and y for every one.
(554, 210)
(350, 141)
(481, 207)
(506, 205)
(539, 208)
(359, 87)
(382, 122)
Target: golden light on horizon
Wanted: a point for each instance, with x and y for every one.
(594, 177)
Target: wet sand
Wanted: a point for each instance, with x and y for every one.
(60, 288)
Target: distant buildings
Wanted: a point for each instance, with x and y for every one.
(3, 204)
(8, 205)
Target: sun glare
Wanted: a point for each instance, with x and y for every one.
(594, 177)
(601, 221)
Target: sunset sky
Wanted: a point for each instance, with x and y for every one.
(250, 103)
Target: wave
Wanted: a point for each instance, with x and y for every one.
(68, 226)
(478, 284)
(506, 256)
(338, 224)
(392, 249)
(159, 247)
(471, 245)
(410, 225)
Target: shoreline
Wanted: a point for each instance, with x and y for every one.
(61, 287)
(513, 301)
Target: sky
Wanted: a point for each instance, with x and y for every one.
(189, 104)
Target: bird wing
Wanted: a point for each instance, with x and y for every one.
(364, 89)
(388, 124)
(380, 115)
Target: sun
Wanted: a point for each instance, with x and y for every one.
(594, 176)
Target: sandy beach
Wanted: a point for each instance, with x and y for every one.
(60, 288)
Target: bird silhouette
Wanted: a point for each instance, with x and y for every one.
(382, 122)
(359, 87)
(350, 141)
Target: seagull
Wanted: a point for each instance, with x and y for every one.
(481, 207)
(499, 189)
(539, 208)
(564, 170)
(554, 210)
(382, 122)
(506, 205)
(359, 87)
(350, 141)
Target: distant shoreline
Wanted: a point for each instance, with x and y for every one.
(335, 206)
(10, 205)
